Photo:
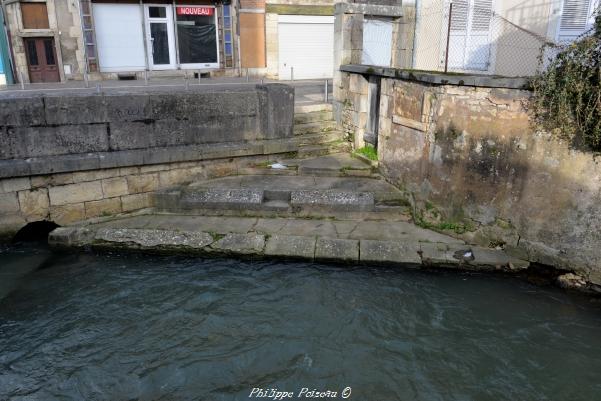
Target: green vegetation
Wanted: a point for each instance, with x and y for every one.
(567, 94)
(368, 151)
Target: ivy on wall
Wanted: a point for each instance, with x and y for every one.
(567, 91)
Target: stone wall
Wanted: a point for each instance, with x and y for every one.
(470, 160)
(68, 157)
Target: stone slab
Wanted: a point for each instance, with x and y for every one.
(390, 252)
(147, 238)
(223, 198)
(339, 200)
(336, 249)
(243, 244)
(291, 246)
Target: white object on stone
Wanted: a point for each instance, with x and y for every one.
(278, 166)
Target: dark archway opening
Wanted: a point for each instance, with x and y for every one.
(36, 231)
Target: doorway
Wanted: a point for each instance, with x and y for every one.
(41, 60)
(161, 43)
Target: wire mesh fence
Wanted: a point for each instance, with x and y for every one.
(467, 36)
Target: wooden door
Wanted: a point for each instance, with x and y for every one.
(41, 60)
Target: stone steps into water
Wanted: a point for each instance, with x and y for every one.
(287, 195)
(393, 243)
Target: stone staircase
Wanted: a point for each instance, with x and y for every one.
(315, 131)
(333, 186)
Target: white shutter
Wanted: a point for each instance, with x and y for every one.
(575, 19)
(469, 42)
(377, 42)
(119, 37)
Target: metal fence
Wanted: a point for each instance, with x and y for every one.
(469, 37)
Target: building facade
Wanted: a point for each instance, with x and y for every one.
(59, 40)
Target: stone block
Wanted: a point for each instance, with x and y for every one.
(18, 112)
(155, 239)
(131, 135)
(340, 250)
(291, 246)
(143, 183)
(390, 252)
(29, 142)
(67, 214)
(75, 193)
(72, 109)
(34, 204)
(245, 244)
(14, 184)
(337, 200)
(9, 203)
(114, 187)
(173, 177)
(103, 207)
(223, 198)
(130, 107)
(135, 202)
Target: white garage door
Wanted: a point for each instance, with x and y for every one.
(119, 37)
(306, 43)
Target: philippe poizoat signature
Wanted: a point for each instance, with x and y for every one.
(304, 393)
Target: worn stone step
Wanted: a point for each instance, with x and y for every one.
(316, 116)
(335, 200)
(216, 198)
(314, 128)
(319, 138)
(323, 149)
(312, 108)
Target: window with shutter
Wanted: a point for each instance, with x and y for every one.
(576, 19)
(470, 41)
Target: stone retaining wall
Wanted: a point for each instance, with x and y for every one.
(470, 159)
(71, 157)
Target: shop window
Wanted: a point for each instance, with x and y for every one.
(197, 35)
(35, 16)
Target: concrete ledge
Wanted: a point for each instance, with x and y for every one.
(140, 157)
(437, 78)
(299, 9)
(244, 241)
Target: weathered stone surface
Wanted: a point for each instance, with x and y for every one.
(223, 198)
(104, 207)
(67, 214)
(114, 187)
(335, 249)
(142, 183)
(338, 200)
(155, 238)
(28, 142)
(9, 203)
(70, 236)
(291, 246)
(468, 257)
(571, 281)
(34, 204)
(135, 202)
(22, 111)
(241, 243)
(390, 252)
(14, 184)
(86, 109)
(74, 193)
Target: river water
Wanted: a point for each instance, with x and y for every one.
(132, 327)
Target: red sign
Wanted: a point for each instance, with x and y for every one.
(195, 11)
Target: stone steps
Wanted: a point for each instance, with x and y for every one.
(323, 149)
(319, 138)
(309, 196)
(316, 116)
(314, 127)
